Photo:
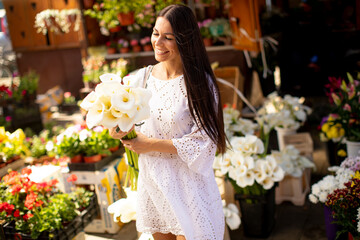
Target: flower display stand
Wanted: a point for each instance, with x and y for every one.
(295, 189)
(14, 166)
(281, 133)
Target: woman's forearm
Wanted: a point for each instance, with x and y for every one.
(163, 145)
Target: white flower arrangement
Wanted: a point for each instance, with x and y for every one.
(327, 185)
(57, 21)
(248, 166)
(287, 112)
(236, 126)
(291, 161)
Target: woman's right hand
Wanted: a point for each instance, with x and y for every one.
(118, 134)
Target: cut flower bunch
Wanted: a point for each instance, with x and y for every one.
(344, 120)
(284, 112)
(118, 103)
(340, 192)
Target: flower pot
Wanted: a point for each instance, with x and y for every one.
(147, 48)
(258, 218)
(126, 18)
(136, 48)
(124, 50)
(281, 132)
(92, 159)
(352, 148)
(111, 50)
(115, 29)
(351, 237)
(114, 149)
(207, 42)
(76, 159)
(330, 226)
(88, 3)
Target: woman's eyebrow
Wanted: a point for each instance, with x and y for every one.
(164, 33)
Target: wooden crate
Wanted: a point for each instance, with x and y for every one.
(295, 189)
(233, 76)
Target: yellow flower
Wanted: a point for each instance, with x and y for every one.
(3, 136)
(341, 153)
(17, 136)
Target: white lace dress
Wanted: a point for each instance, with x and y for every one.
(177, 193)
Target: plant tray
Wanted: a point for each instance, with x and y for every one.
(97, 165)
(13, 166)
(68, 232)
(7, 230)
(90, 213)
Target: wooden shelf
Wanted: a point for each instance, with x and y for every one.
(151, 53)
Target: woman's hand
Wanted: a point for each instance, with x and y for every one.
(118, 134)
(140, 144)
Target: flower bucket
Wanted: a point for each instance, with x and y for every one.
(258, 219)
(148, 48)
(352, 148)
(124, 50)
(136, 48)
(281, 132)
(126, 19)
(207, 42)
(76, 159)
(330, 227)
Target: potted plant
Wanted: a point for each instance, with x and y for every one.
(146, 44)
(94, 147)
(205, 32)
(123, 45)
(111, 47)
(12, 146)
(135, 45)
(68, 144)
(29, 84)
(253, 174)
(69, 104)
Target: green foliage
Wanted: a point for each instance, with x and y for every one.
(69, 146)
(81, 197)
(29, 82)
(95, 144)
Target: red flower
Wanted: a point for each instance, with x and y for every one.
(27, 216)
(30, 200)
(39, 203)
(72, 178)
(53, 182)
(17, 213)
(26, 171)
(23, 92)
(15, 189)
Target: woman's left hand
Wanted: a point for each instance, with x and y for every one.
(140, 144)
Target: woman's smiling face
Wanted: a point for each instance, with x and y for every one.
(163, 41)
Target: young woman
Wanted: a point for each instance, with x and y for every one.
(178, 197)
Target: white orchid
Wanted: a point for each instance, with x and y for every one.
(114, 104)
(124, 208)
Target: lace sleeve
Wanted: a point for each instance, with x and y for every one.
(197, 150)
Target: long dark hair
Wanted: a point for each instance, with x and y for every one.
(200, 80)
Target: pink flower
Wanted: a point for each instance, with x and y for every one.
(8, 118)
(67, 94)
(347, 107)
(23, 92)
(134, 42)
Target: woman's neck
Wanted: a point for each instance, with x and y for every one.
(171, 70)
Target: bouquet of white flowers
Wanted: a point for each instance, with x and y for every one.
(287, 112)
(118, 102)
(248, 167)
(236, 126)
(291, 161)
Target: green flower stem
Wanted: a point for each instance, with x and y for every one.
(133, 168)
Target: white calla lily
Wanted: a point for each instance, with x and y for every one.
(124, 208)
(88, 101)
(95, 115)
(125, 123)
(131, 81)
(124, 102)
(232, 217)
(108, 88)
(267, 183)
(110, 77)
